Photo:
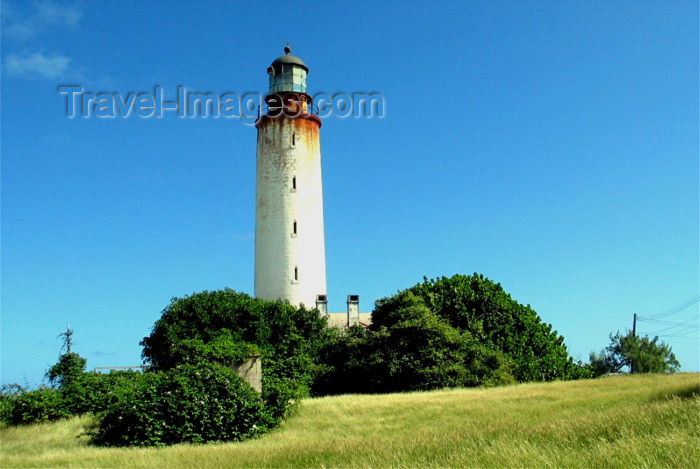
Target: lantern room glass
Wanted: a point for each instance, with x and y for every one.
(287, 78)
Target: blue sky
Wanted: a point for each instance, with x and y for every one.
(551, 146)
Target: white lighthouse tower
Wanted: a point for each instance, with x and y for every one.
(290, 254)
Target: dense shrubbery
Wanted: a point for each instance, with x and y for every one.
(187, 403)
(481, 307)
(95, 392)
(191, 393)
(449, 332)
(76, 393)
(19, 406)
(287, 338)
(8, 393)
(459, 331)
(417, 351)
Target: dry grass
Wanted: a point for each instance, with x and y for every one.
(624, 421)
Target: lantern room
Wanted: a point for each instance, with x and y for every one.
(287, 74)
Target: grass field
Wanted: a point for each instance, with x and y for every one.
(622, 421)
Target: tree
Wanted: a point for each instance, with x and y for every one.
(447, 332)
(192, 394)
(22, 406)
(217, 326)
(481, 307)
(419, 351)
(70, 365)
(73, 391)
(639, 354)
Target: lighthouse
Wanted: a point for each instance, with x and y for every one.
(290, 255)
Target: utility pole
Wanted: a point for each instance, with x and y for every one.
(634, 334)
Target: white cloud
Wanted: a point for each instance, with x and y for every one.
(52, 13)
(23, 25)
(33, 23)
(14, 24)
(37, 65)
(21, 31)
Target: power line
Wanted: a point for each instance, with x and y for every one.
(680, 327)
(679, 331)
(675, 336)
(676, 309)
(667, 323)
(676, 329)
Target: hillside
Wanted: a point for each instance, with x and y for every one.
(622, 421)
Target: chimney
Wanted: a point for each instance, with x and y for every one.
(322, 304)
(353, 310)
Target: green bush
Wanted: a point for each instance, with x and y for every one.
(74, 392)
(418, 351)
(448, 332)
(83, 393)
(70, 366)
(92, 392)
(345, 358)
(481, 307)
(95, 392)
(220, 326)
(188, 403)
(8, 393)
(41, 405)
(222, 348)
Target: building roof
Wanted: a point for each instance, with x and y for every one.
(340, 320)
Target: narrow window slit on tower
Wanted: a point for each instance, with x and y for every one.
(294, 227)
(294, 138)
(294, 183)
(296, 273)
